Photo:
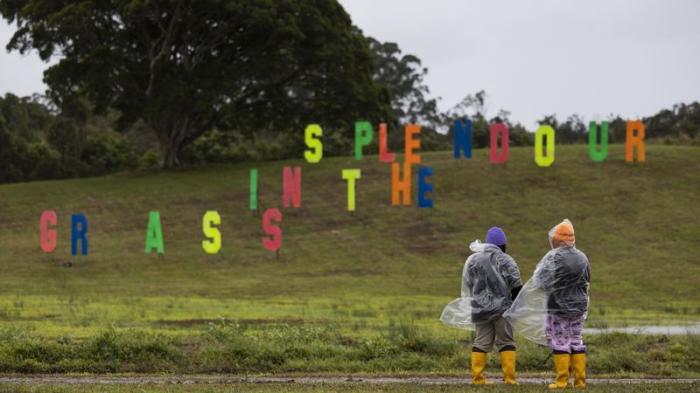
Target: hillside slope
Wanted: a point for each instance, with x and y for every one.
(639, 225)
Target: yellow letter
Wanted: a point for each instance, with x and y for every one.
(543, 132)
(351, 175)
(212, 244)
(312, 137)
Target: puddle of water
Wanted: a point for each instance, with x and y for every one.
(671, 330)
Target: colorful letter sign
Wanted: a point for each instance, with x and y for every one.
(47, 230)
(463, 138)
(154, 234)
(496, 130)
(312, 137)
(597, 155)
(79, 230)
(212, 244)
(543, 132)
(351, 175)
(363, 137)
(635, 138)
(273, 242)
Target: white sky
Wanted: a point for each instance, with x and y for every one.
(594, 57)
(590, 57)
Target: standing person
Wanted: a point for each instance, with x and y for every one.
(490, 282)
(553, 305)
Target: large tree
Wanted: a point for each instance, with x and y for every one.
(403, 75)
(186, 66)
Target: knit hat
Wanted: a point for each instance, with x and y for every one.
(564, 232)
(495, 235)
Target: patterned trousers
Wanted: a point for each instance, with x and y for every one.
(564, 333)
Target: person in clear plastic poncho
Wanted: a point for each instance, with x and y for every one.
(490, 282)
(553, 304)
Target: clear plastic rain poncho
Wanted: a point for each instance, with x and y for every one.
(488, 277)
(558, 287)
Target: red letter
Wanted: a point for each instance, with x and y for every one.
(502, 129)
(47, 235)
(384, 154)
(274, 241)
(291, 186)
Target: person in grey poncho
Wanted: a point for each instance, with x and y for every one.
(490, 282)
(553, 305)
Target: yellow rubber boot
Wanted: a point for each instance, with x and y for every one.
(478, 366)
(561, 365)
(508, 367)
(578, 366)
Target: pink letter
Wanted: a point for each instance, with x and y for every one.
(495, 130)
(47, 235)
(384, 154)
(274, 241)
(291, 186)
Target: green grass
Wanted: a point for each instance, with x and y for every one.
(352, 278)
(398, 349)
(393, 388)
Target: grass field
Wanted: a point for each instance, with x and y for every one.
(349, 292)
(396, 388)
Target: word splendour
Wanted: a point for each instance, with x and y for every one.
(400, 184)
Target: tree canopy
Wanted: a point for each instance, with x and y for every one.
(185, 66)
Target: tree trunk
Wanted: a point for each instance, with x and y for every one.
(168, 153)
(181, 132)
(171, 142)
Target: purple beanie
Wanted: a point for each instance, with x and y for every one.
(495, 235)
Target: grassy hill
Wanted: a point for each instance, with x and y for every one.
(360, 273)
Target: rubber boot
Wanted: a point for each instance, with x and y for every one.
(478, 366)
(561, 365)
(578, 366)
(508, 367)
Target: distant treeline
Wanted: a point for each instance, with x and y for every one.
(38, 144)
(162, 84)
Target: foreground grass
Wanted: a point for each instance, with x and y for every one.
(284, 349)
(398, 388)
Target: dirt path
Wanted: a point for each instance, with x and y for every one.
(220, 379)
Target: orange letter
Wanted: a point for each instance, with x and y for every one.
(634, 139)
(411, 157)
(400, 186)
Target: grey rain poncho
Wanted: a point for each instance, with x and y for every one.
(488, 277)
(558, 287)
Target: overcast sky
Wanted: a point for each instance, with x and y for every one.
(594, 57)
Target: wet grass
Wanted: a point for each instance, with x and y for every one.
(288, 349)
(355, 387)
(355, 279)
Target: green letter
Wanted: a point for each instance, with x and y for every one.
(363, 137)
(154, 234)
(598, 156)
(253, 189)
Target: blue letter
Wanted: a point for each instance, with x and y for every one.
(78, 233)
(424, 187)
(463, 137)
